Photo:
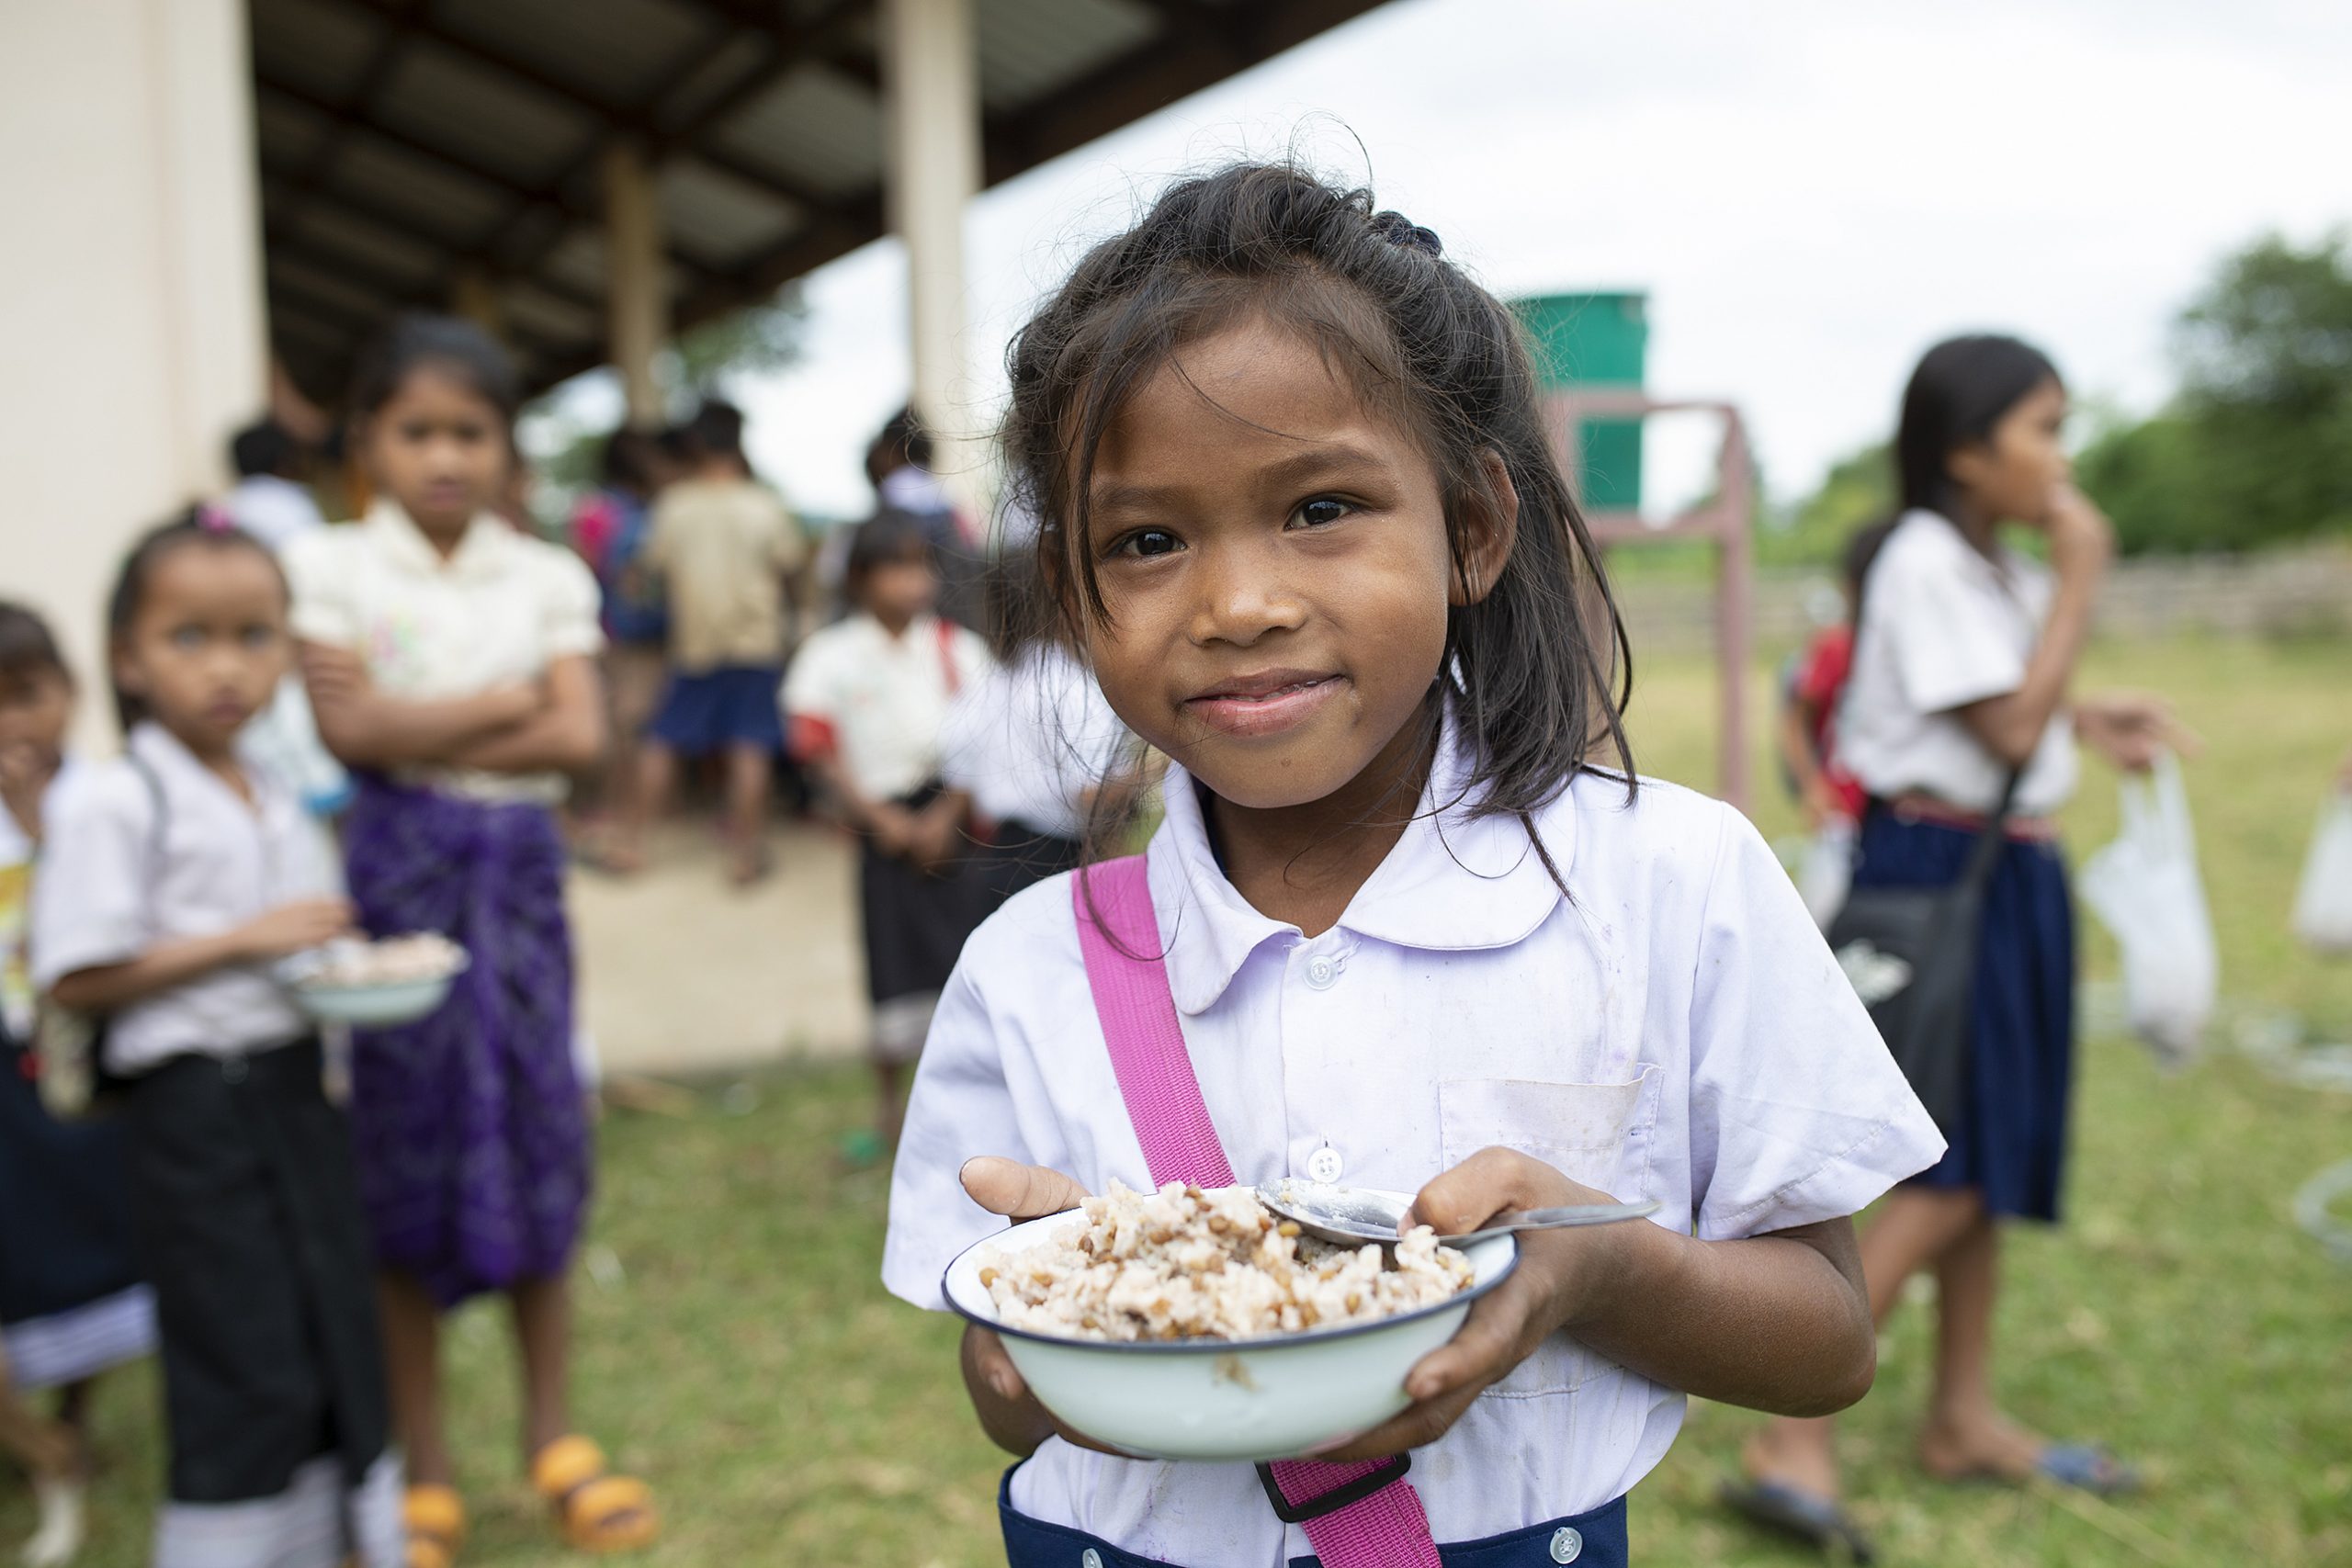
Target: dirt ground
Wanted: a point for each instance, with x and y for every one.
(682, 974)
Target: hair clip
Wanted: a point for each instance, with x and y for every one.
(1399, 230)
(214, 518)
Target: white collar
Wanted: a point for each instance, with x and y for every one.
(178, 768)
(404, 544)
(1452, 882)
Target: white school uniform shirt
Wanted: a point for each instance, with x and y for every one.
(497, 611)
(1028, 740)
(1942, 626)
(110, 885)
(880, 700)
(1673, 1029)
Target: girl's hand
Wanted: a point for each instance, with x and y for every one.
(894, 830)
(2130, 728)
(333, 674)
(1818, 802)
(292, 928)
(2081, 539)
(1558, 1276)
(1018, 1192)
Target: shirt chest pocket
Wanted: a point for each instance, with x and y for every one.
(1598, 1134)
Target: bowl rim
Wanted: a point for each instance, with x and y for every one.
(1212, 1346)
(325, 988)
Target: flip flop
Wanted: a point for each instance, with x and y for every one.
(1818, 1522)
(434, 1520)
(595, 1510)
(2083, 1467)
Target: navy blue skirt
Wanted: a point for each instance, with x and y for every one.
(2010, 1139)
(1590, 1541)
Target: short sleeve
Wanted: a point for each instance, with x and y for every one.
(569, 623)
(961, 1106)
(1951, 625)
(812, 684)
(322, 584)
(1798, 1113)
(90, 881)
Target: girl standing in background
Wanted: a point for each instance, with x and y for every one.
(169, 880)
(72, 1305)
(451, 659)
(1964, 655)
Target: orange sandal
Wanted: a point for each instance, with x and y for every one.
(597, 1510)
(434, 1520)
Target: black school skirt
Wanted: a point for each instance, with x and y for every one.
(245, 1208)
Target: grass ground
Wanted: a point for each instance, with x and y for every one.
(737, 1350)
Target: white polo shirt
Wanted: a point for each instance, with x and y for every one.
(1675, 1028)
(108, 887)
(497, 611)
(1943, 626)
(1028, 740)
(880, 702)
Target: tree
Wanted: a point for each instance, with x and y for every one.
(2266, 357)
(1858, 489)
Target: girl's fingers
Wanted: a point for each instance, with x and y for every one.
(994, 1366)
(1019, 1191)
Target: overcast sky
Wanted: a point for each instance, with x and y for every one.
(1810, 192)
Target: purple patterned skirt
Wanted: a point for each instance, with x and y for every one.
(472, 1138)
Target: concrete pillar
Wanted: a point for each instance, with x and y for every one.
(131, 290)
(473, 294)
(638, 288)
(930, 81)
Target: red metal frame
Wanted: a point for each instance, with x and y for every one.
(1725, 518)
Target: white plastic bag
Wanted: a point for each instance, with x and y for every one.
(2145, 888)
(2324, 902)
(1825, 871)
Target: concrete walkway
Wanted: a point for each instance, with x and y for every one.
(682, 973)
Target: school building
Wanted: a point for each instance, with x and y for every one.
(212, 203)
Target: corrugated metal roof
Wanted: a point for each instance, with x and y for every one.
(408, 143)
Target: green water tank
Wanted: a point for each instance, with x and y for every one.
(1594, 339)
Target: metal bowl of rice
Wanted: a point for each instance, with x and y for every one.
(1190, 1324)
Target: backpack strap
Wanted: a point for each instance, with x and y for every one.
(1365, 1514)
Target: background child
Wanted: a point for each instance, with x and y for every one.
(1963, 657)
(867, 699)
(72, 1303)
(1420, 926)
(169, 880)
(723, 546)
(1807, 732)
(452, 662)
(609, 530)
(1033, 747)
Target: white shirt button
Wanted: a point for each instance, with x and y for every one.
(1320, 971)
(1324, 1164)
(1567, 1545)
(1090, 1558)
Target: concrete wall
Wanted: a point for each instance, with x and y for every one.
(131, 288)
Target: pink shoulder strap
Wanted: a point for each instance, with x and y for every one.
(1118, 935)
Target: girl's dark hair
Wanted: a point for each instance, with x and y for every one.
(629, 459)
(206, 527)
(450, 345)
(889, 536)
(1957, 395)
(27, 647)
(1538, 670)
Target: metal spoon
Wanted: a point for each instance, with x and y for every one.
(1351, 1216)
